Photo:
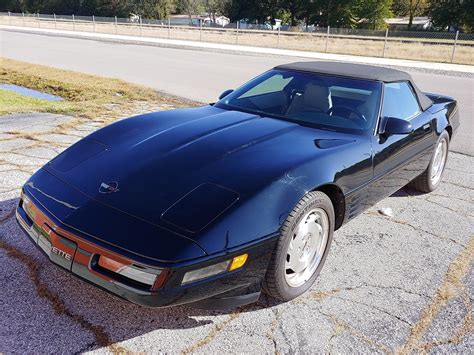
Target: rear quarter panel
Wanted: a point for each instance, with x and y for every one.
(445, 111)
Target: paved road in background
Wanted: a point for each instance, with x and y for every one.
(193, 74)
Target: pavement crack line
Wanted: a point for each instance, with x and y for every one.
(419, 229)
(59, 307)
(273, 327)
(458, 336)
(320, 295)
(458, 185)
(219, 327)
(448, 208)
(7, 216)
(451, 287)
(338, 329)
(452, 197)
(340, 326)
(460, 171)
(396, 288)
(376, 308)
(87, 347)
(28, 155)
(8, 191)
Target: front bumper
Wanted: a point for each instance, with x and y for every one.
(79, 256)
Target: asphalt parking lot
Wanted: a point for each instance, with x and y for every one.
(391, 284)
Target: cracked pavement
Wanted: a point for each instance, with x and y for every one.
(401, 284)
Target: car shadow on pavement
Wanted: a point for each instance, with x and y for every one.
(407, 192)
(75, 308)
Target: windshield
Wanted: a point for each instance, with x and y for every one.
(321, 101)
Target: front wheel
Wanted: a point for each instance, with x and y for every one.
(431, 177)
(302, 249)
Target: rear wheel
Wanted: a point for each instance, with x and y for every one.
(431, 177)
(302, 248)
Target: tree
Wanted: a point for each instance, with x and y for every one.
(446, 14)
(214, 7)
(308, 10)
(372, 13)
(452, 14)
(189, 7)
(410, 8)
(156, 9)
(334, 13)
(468, 17)
(341, 13)
(253, 11)
(289, 11)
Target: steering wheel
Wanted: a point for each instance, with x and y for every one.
(347, 110)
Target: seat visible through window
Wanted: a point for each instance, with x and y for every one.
(315, 98)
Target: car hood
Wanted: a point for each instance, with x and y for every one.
(108, 227)
(182, 169)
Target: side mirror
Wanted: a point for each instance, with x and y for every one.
(393, 125)
(225, 93)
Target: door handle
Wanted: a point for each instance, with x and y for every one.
(426, 127)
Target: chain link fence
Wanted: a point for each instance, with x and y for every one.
(451, 47)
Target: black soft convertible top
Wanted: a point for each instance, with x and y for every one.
(359, 71)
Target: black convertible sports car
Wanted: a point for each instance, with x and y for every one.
(209, 206)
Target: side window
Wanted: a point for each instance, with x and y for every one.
(399, 101)
(272, 84)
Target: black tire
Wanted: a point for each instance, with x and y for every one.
(424, 183)
(275, 284)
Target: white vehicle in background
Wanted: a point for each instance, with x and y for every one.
(134, 18)
(277, 24)
(218, 21)
(222, 21)
(267, 25)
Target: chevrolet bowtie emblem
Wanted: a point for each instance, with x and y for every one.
(106, 188)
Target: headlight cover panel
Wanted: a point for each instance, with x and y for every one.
(199, 207)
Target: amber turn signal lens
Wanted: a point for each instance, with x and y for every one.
(238, 262)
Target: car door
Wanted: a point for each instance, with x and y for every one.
(399, 158)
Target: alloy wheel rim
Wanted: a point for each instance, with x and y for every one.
(439, 161)
(307, 247)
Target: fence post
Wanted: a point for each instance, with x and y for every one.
(278, 38)
(237, 32)
(140, 19)
(55, 25)
(454, 46)
(200, 30)
(23, 16)
(38, 17)
(93, 23)
(9, 18)
(327, 40)
(385, 43)
(116, 31)
(73, 23)
(169, 28)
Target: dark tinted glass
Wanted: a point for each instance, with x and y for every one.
(399, 101)
(322, 101)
